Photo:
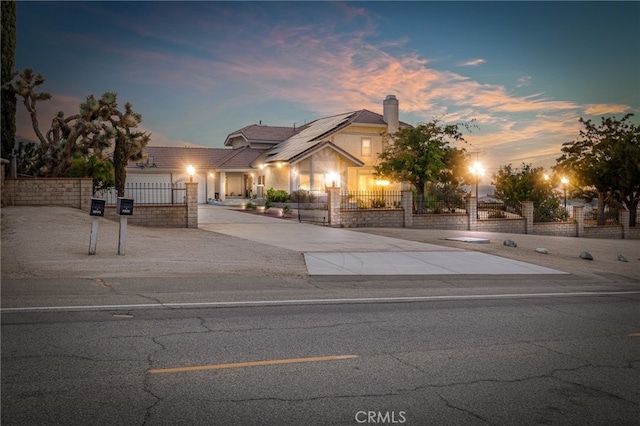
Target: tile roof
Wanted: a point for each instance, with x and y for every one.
(365, 116)
(165, 157)
(290, 144)
(261, 133)
(307, 138)
(240, 158)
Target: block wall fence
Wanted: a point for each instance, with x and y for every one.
(404, 218)
(76, 193)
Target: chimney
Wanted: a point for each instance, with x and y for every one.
(390, 113)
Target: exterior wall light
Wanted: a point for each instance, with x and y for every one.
(191, 171)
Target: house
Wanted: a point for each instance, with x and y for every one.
(339, 150)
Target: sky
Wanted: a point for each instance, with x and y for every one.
(524, 72)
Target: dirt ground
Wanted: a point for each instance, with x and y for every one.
(54, 242)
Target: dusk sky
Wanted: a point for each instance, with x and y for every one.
(196, 71)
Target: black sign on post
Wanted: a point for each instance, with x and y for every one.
(97, 207)
(124, 206)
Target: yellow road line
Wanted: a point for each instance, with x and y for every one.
(252, 364)
(635, 334)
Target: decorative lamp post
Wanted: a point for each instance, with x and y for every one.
(477, 170)
(564, 181)
(191, 171)
(382, 183)
(332, 178)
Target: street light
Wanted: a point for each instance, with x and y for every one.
(477, 170)
(191, 171)
(565, 181)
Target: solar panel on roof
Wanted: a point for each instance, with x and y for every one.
(307, 138)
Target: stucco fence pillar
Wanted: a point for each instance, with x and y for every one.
(3, 167)
(407, 206)
(578, 217)
(623, 219)
(333, 206)
(527, 214)
(472, 213)
(192, 204)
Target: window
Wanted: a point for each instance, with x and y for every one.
(366, 147)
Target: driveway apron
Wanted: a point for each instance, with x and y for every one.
(335, 251)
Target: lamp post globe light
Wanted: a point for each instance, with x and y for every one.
(477, 170)
(191, 171)
(564, 181)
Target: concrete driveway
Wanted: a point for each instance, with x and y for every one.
(333, 251)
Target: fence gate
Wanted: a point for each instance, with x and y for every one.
(311, 206)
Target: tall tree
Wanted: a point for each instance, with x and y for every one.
(98, 127)
(528, 183)
(8, 41)
(422, 154)
(605, 159)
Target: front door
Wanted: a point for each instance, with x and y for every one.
(248, 186)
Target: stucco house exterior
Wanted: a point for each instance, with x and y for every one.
(339, 150)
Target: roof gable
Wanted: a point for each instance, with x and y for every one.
(309, 136)
(261, 134)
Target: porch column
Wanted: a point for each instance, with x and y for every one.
(222, 178)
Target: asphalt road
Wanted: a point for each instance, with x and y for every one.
(565, 360)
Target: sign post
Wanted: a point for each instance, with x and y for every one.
(124, 208)
(96, 211)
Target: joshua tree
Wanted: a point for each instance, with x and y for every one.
(91, 132)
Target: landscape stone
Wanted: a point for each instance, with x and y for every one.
(510, 243)
(586, 255)
(542, 250)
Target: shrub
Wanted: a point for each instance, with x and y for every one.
(277, 195)
(378, 203)
(250, 206)
(302, 196)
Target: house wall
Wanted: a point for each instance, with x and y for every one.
(153, 175)
(277, 178)
(350, 140)
(234, 185)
